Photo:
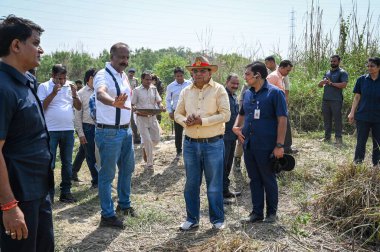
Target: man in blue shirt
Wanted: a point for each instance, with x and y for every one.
(229, 139)
(264, 115)
(172, 94)
(25, 175)
(333, 83)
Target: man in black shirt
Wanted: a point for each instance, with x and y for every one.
(333, 83)
(25, 175)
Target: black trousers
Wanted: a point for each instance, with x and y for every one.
(332, 110)
(79, 158)
(363, 128)
(229, 151)
(39, 220)
(288, 137)
(178, 132)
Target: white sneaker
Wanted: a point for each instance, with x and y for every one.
(187, 225)
(219, 226)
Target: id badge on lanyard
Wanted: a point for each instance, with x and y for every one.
(256, 114)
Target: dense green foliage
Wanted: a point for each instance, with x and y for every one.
(311, 60)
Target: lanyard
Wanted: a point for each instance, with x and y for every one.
(118, 111)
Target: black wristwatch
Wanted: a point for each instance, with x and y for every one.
(279, 145)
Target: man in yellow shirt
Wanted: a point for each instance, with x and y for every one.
(202, 110)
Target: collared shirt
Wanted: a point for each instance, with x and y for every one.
(277, 79)
(261, 133)
(172, 94)
(92, 107)
(144, 98)
(369, 105)
(83, 115)
(234, 108)
(210, 103)
(59, 114)
(134, 82)
(241, 96)
(286, 79)
(107, 114)
(22, 126)
(331, 93)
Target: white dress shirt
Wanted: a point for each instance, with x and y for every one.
(106, 114)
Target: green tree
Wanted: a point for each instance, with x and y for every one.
(165, 66)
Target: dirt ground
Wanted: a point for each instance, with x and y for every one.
(158, 198)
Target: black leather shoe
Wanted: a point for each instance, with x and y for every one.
(230, 194)
(271, 218)
(111, 222)
(252, 218)
(130, 211)
(67, 198)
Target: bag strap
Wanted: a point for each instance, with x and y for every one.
(118, 110)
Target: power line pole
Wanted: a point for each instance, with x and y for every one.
(292, 43)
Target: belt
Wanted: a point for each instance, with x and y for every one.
(204, 140)
(105, 126)
(144, 115)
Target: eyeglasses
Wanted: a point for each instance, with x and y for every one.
(370, 65)
(200, 71)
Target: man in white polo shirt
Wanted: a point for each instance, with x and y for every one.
(58, 97)
(113, 135)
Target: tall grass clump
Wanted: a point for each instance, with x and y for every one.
(355, 42)
(350, 203)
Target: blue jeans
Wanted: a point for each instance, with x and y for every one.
(65, 141)
(89, 149)
(207, 157)
(263, 181)
(115, 147)
(363, 129)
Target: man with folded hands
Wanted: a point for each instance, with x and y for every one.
(203, 108)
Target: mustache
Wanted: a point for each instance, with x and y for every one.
(123, 64)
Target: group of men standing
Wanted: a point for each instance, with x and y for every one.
(33, 124)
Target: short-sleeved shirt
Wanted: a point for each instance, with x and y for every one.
(261, 133)
(106, 114)
(369, 105)
(332, 93)
(286, 79)
(59, 114)
(144, 98)
(277, 79)
(234, 108)
(22, 126)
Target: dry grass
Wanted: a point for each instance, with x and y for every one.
(158, 198)
(351, 202)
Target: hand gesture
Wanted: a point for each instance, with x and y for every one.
(57, 87)
(120, 100)
(73, 90)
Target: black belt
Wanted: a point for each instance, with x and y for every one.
(105, 126)
(204, 140)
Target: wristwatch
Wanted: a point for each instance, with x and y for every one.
(279, 145)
